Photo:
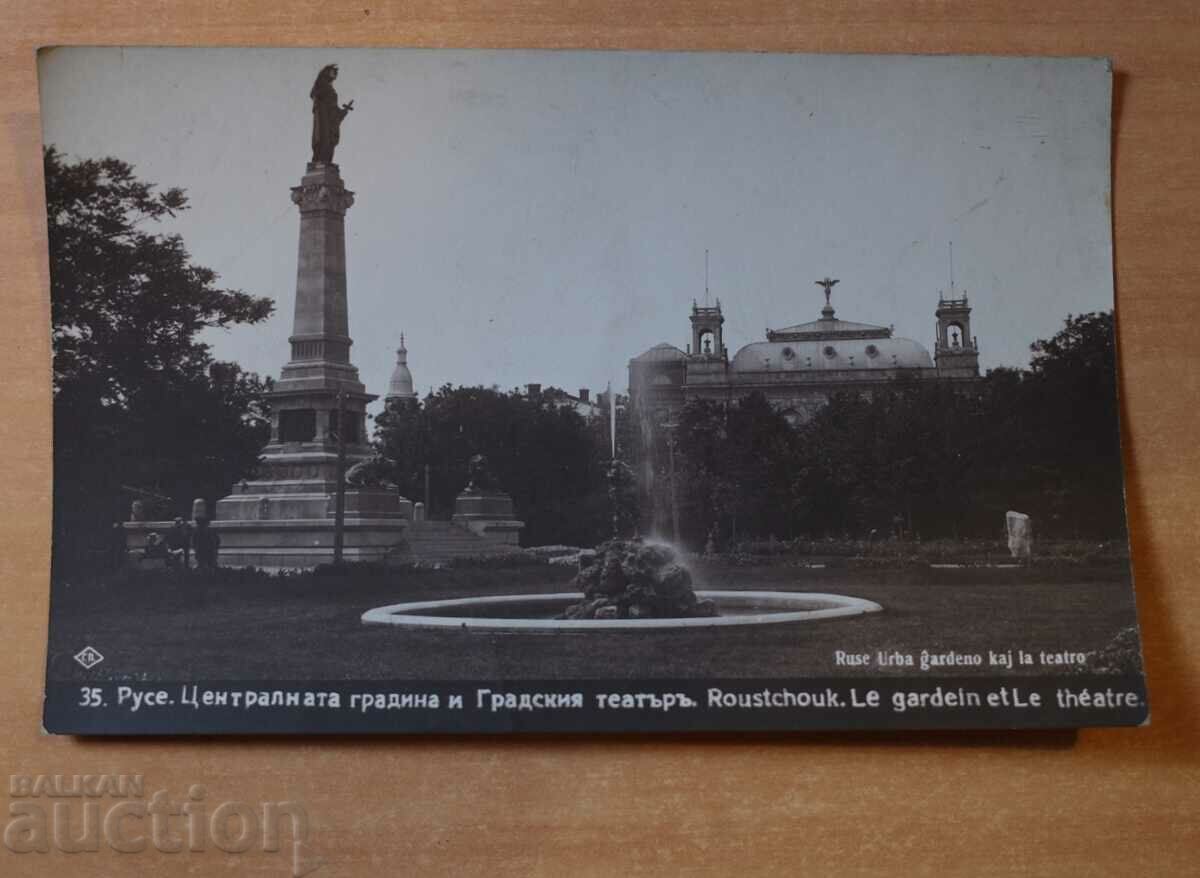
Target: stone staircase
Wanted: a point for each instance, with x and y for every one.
(439, 541)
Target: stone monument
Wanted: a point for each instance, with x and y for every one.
(484, 508)
(285, 516)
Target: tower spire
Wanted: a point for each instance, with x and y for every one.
(401, 384)
(705, 277)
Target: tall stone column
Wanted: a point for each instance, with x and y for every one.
(320, 339)
(284, 517)
(306, 397)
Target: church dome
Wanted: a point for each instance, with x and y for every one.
(401, 384)
(832, 354)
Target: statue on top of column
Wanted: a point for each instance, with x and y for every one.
(327, 115)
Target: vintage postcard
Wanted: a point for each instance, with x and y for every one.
(488, 391)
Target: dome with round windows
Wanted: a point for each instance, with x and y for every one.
(831, 355)
(831, 345)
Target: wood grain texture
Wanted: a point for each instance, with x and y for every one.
(1103, 802)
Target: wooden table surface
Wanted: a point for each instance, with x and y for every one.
(1103, 802)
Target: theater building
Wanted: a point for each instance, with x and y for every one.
(797, 368)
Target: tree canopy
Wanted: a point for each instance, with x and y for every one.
(544, 454)
(927, 458)
(922, 458)
(141, 407)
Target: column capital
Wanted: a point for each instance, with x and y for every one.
(322, 195)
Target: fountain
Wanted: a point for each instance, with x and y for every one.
(624, 585)
(632, 579)
(560, 612)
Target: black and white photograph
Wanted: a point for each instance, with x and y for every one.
(488, 391)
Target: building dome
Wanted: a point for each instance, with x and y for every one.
(401, 384)
(832, 354)
(661, 353)
(799, 368)
(831, 345)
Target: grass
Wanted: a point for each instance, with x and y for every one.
(892, 552)
(244, 625)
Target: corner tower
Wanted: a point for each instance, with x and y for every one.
(707, 334)
(956, 351)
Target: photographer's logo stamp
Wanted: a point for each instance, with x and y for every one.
(89, 657)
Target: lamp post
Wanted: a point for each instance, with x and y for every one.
(612, 469)
(339, 509)
(427, 507)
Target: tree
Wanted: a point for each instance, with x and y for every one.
(902, 457)
(1072, 407)
(933, 458)
(404, 435)
(545, 455)
(139, 402)
(733, 469)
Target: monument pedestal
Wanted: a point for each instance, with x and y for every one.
(489, 514)
(290, 524)
(302, 544)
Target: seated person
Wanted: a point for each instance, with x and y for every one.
(156, 548)
(178, 544)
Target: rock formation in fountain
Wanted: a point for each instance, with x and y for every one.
(630, 579)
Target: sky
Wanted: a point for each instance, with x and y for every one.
(543, 216)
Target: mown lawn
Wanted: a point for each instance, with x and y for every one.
(180, 628)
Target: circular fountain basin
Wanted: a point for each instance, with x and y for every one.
(534, 613)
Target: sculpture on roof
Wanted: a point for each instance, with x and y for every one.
(828, 283)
